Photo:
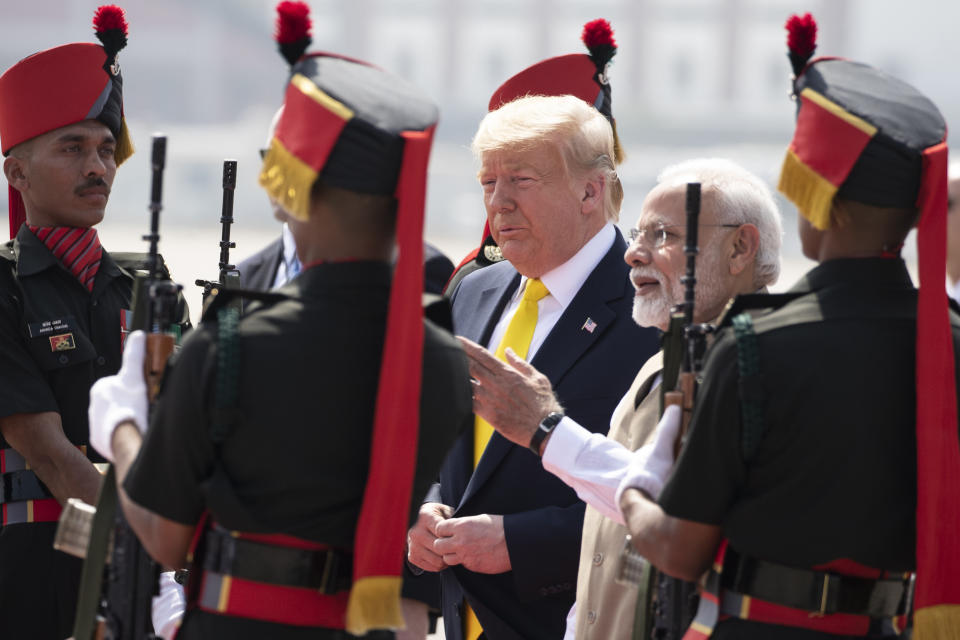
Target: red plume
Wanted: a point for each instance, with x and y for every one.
(109, 17)
(598, 33)
(293, 30)
(801, 40)
(598, 36)
(293, 22)
(110, 25)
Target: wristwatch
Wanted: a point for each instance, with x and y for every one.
(543, 430)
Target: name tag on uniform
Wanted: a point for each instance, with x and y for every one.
(51, 327)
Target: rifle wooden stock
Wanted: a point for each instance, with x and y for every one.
(683, 397)
(159, 348)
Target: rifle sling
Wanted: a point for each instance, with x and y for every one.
(91, 579)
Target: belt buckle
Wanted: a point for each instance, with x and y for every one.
(824, 591)
(909, 588)
(328, 576)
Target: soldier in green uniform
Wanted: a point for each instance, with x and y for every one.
(800, 481)
(62, 302)
(295, 448)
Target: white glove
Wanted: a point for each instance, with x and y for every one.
(119, 398)
(651, 464)
(168, 607)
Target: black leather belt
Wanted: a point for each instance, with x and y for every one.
(18, 486)
(326, 570)
(819, 592)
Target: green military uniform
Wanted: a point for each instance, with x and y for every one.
(806, 434)
(297, 457)
(834, 473)
(56, 339)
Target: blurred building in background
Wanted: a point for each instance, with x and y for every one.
(691, 78)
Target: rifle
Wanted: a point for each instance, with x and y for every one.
(123, 592)
(674, 601)
(666, 606)
(229, 275)
(692, 336)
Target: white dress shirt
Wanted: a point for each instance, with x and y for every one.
(563, 283)
(290, 266)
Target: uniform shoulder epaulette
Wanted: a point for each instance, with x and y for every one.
(756, 301)
(132, 261)
(222, 297)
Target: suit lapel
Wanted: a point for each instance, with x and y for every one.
(572, 336)
(478, 325)
(567, 341)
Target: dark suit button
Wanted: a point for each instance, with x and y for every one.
(63, 359)
(543, 591)
(598, 558)
(101, 360)
(94, 303)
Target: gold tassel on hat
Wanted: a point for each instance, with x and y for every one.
(287, 180)
(619, 155)
(374, 604)
(124, 144)
(808, 190)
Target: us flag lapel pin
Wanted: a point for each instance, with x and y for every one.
(589, 325)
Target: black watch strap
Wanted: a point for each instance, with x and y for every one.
(543, 430)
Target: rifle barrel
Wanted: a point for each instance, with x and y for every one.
(226, 216)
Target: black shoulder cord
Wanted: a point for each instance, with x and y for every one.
(225, 413)
(751, 390)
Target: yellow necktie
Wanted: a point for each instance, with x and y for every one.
(518, 335)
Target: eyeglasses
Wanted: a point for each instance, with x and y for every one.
(659, 236)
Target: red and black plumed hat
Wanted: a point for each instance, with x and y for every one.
(865, 136)
(583, 75)
(62, 86)
(351, 125)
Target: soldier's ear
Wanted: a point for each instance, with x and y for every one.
(746, 243)
(13, 169)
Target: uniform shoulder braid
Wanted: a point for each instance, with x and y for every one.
(756, 303)
(221, 297)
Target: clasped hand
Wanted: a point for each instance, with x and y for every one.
(438, 541)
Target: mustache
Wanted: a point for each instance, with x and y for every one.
(91, 183)
(640, 272)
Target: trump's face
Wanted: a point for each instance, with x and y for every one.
(534, 207)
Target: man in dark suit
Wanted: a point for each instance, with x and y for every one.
(503, 532)
(277, 263)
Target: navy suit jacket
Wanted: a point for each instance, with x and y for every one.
(590, 371)
(259, 270)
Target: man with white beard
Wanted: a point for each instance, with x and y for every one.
(739, 238)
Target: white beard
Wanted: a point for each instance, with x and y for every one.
(653, 309)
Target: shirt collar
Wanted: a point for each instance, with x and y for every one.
(32, 255)
(289, 246)
(565, 281)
